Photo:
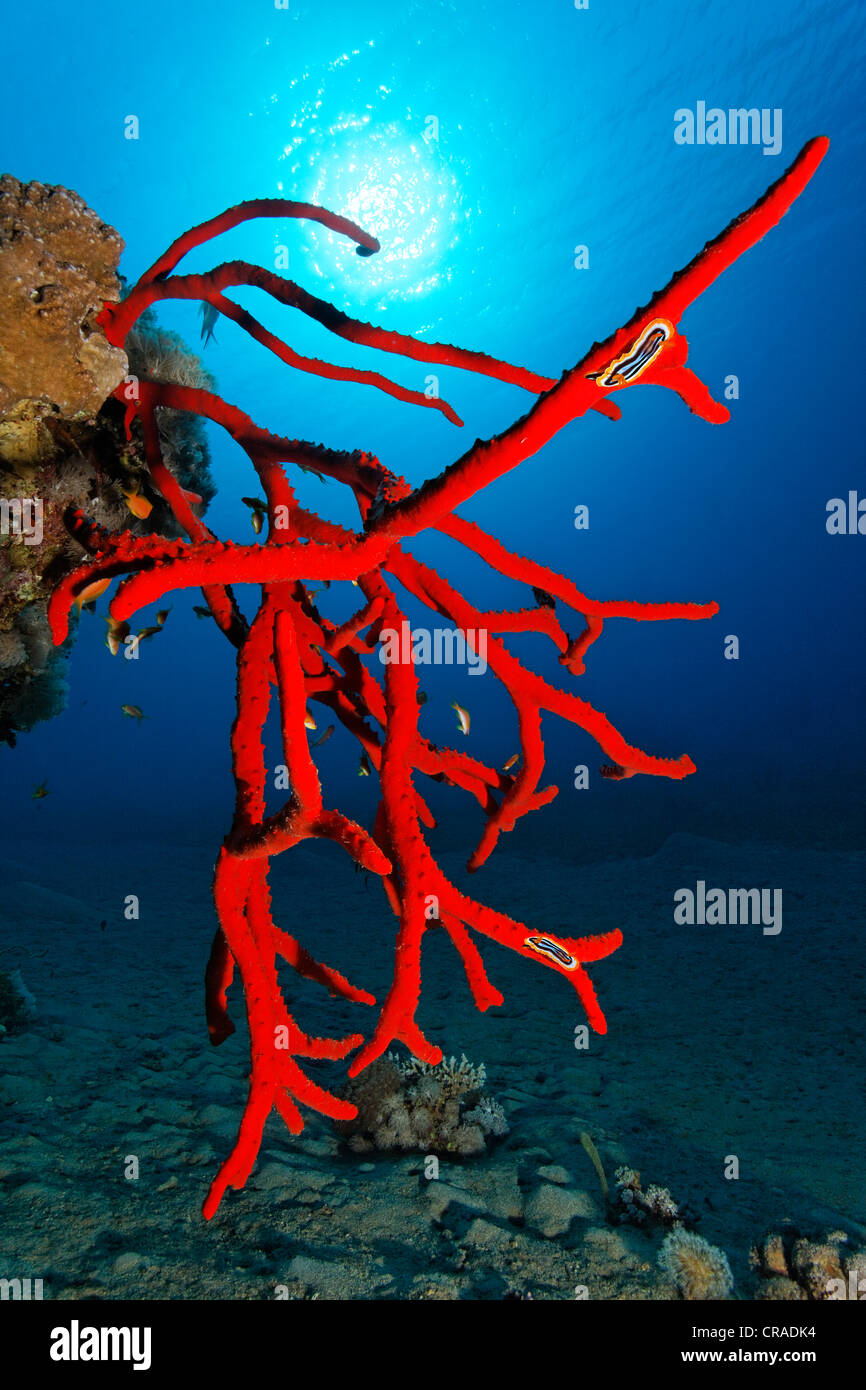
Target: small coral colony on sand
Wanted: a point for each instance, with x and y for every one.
(291, 647)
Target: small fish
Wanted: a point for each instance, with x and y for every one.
(515, 757)
(102, 926)
(543, 598)
(161, 616)
(91, 592)
(201, 612)
(421, 697)
(89, 607)
(209, 316)
(309, 721)
(138, 505)
(323, 738)
(614, 773)
(364, 768)
(305, 468)
(376, 510)
(258, 509)
(462, 717)
(116, 635)
(40, 790)
(133, 712)
(148, 632)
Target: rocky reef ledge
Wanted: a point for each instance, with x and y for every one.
(62, 439)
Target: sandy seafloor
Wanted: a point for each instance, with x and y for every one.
(721, 1041)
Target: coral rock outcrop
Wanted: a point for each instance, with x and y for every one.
(58, 264)
(416, 1105)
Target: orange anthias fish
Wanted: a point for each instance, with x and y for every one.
(161, 616)
(138, 505)
(462, 717)
(258, 509)
(364, 768)
(309, 721)
(117, 634)
(40, 790)
(90, 592)
(133, 712)
(515, 757)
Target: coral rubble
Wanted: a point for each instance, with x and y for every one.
(794, 1267)
(655, 1206)
(437, 1109)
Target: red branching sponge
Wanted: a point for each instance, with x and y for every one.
(291, 647)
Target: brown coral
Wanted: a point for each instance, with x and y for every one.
(58, 263)
(63, 445)
(796, 1267)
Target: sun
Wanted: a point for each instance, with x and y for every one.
(396, 186)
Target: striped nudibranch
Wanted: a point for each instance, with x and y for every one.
(634, 361)
(552, 949)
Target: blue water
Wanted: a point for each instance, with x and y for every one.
(555, 129)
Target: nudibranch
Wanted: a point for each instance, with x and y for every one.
(544, 946)
(634, 361)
